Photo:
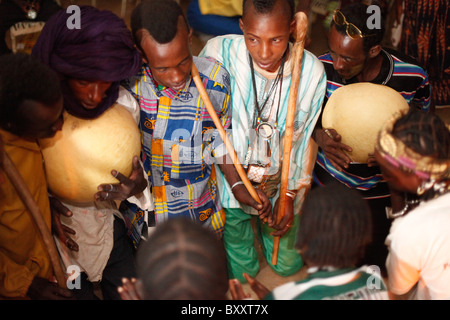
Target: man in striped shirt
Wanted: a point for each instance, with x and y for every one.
(355, 55)
(180, 142)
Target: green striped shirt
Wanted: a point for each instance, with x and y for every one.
(340, 284)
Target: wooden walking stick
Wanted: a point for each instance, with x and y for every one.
(297, 56)
(27, 198)
(223, 135)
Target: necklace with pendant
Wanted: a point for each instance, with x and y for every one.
(263, 128)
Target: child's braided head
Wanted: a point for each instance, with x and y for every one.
(183, 260)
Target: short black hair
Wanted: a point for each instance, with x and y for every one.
(356, 13)
(335, 227)
(183, 260)
(24, 77)
(159, 18)
(267, 6)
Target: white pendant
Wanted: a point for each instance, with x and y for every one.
(265, 130)
(32, 14)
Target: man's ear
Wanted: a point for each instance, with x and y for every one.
(241, 25)
(144, 59)
(140, 35)
(374, 51)
(190, 35)
(292, 26)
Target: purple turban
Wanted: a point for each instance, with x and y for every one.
(102, 50)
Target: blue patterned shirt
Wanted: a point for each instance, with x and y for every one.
(180, 143)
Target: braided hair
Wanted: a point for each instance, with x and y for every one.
(425, 133)
(335, 227)
(182, 260)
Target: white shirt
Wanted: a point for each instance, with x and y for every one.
(419, 251)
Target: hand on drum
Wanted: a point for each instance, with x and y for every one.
(127, 187)
(60, 230)
(371, 160)
(330, 142)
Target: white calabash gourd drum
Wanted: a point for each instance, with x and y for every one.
(358, 111)
(81, 156)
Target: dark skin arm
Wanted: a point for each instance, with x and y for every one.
(241, 193)
(42, 289)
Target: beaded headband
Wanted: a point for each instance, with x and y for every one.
(399, 155)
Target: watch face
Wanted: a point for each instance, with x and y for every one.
(265, 130)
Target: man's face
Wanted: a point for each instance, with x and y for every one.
(396, 178)
(40, 120)
(266, 37)
(89, 93)
(170, 63)
(347, 54)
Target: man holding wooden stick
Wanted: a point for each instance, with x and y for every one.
(259, 63)
(30, 108)
(179, 137)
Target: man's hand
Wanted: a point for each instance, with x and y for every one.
(264, 208)
(237, 292)
(42, 289)
(60, 230)
(287, 220)
(128, 290)
(330, 142)
(371, 160)
(127, 187)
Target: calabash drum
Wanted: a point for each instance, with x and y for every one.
(358, 111)
(81, 156)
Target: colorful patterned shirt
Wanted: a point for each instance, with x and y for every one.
(180, 143)
(397, 72)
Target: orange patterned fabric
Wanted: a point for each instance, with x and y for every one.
(425, 37)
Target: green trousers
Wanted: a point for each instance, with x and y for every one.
(239, 241)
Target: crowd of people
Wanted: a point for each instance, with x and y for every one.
(182, 225)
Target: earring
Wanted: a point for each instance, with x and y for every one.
(439, 187)
(424, 187)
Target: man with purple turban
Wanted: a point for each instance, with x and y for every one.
(101, 50)
(91, 62)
